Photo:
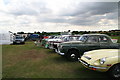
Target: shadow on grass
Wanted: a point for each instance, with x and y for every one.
(50, 51)
(60, 59)
(86, 73)
(17, 44)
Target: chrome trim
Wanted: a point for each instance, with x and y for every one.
(97, 67)
(56, 50)
(83, 62)
(60, 52)
(90, 66)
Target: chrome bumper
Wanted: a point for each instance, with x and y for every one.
(58, 51)
(90, 66)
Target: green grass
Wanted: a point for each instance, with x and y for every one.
(30, 61)
(116, 37)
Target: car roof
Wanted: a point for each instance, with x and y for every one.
(95, 34)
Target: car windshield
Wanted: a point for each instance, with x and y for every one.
(19, 37)
(57, 37)
(51, 37)
(83, 38)
(74, 38)
(65, 39)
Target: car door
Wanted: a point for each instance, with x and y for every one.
(104, 42)
(91, 43)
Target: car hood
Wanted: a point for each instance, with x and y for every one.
(98, 54)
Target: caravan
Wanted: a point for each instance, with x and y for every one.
(6, 37)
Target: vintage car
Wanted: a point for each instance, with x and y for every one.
(103, 60)
(55, 44)
(49, 41)
(44, 40)
(87, 42)
(64, 38)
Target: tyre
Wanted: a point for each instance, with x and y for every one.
(72, 55)
(23, 43)
(115, 71)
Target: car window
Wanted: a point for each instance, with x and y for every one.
(76, 38)
(57, 37)
(19, 37)
(103, 39)
(92, 39)
(51, 37)
(66, 39)
(71, 38)
(83, 38)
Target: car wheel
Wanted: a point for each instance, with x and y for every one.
(115, 71)
(72, 55)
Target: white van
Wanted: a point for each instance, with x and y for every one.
(6, 37)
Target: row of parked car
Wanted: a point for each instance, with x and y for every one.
(95, 51)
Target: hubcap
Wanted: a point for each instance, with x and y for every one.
(72, 55)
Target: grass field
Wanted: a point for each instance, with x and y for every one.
(30, 61)
(116, 37)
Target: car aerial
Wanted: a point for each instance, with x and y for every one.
(75, 49)
(18, 40)
(103, 60)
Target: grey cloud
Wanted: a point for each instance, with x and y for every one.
(113, 15)
(85, 13)
(91, 13)
(83, 21)
(91, 8)
(52, 19)
(103, 8)
(30, 9)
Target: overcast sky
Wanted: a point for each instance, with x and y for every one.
(57, 15)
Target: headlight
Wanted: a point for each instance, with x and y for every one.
(102, 60)
(85, 53)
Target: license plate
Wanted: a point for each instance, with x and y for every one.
(17, 42)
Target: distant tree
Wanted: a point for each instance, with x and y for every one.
(35, 32)
(14, 34)
(85, 32)
(68, 30)
(75, 32)
(20, 32)
(38, 32)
